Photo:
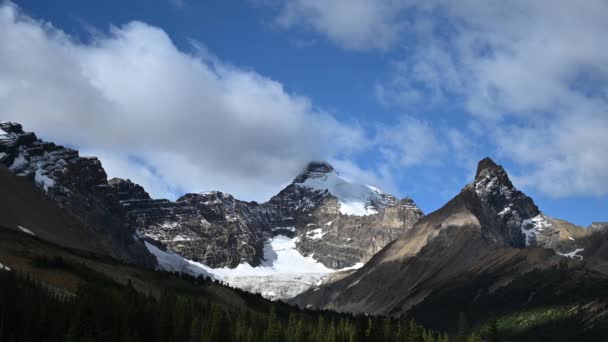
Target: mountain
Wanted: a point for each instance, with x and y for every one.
(77, 207)
(482, 253)
(322, 221)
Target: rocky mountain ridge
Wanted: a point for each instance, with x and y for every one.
(77, 184)
(490, 230)
(220, 231)
(327, 218)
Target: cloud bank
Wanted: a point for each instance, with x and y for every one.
(172, 120)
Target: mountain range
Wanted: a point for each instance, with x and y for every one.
(323, 221)
(326, 242)
(488, 251)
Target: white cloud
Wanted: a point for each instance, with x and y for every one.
(410, 142)
(168, 119)
(353, 24)
(533, 74)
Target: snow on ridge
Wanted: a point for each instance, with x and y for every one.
(354, 199)
(491, 184)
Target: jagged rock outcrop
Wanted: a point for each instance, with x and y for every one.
(515, 219)
(77, 184)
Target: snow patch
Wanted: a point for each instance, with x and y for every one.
(573, 254)
(181, 238)
(504, 211)
(531, 227)
(170, 225)
(25, 230)
(4, 268)
(43, 180)
(173, 262)
(231, 218)
(315, 234)
(18, 163)
(291, 229)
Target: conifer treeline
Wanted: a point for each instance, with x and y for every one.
(100, 311)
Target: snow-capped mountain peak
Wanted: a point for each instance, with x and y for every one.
(354, 198)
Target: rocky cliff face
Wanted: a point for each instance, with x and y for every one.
(339, 222)
(77, 184)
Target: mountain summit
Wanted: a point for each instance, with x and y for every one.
(353, 198)
(313, 169)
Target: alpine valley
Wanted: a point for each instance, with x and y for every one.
(322, 243)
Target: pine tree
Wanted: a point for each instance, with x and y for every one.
(463, 328)
(493, 331)
(415, 332)
(195, 329)
(273, 330)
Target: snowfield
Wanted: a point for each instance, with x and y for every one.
(283, 274)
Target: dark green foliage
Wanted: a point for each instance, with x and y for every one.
(551, 298)
(493, 331)
(31, 311)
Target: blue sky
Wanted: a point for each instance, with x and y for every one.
(404, 96)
